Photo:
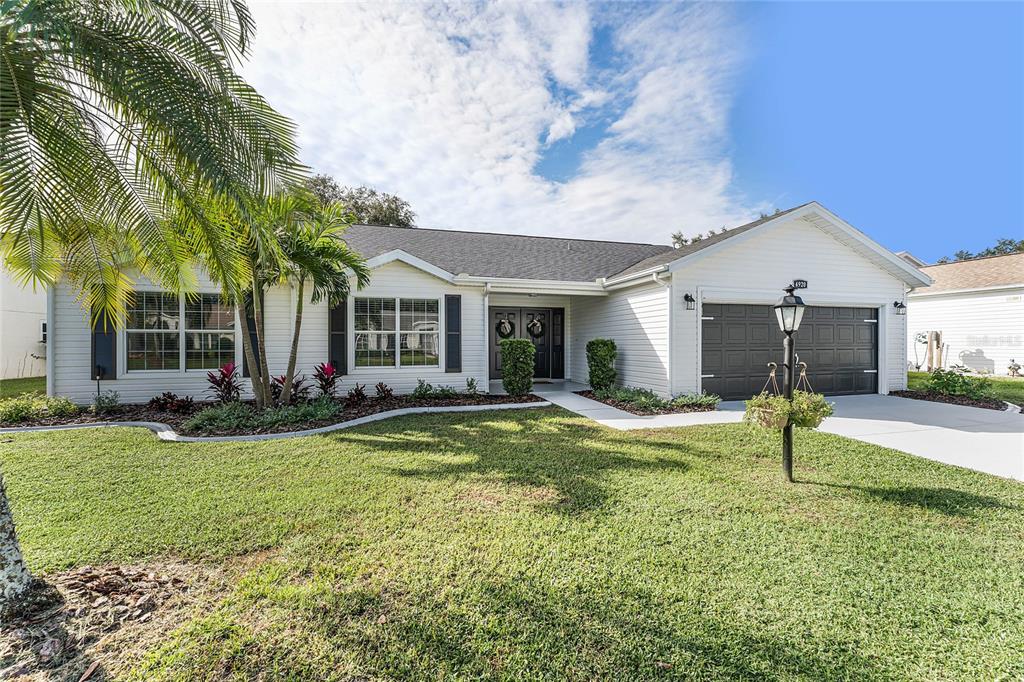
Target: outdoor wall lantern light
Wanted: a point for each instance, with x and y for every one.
(901, 308)
(691, 302)
(789, 311)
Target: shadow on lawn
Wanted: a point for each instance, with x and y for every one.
(570, 457)
(528, 629)
(948, 501)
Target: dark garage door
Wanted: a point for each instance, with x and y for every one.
(839, 345)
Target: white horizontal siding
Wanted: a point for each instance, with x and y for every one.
(22, 310)
(753, 269)
(982, 329)
(399, 280)
(636, 318)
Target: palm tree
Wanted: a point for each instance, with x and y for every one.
(120, 121)
(315, 252)
(114, 115)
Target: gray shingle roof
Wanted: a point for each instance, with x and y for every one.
(486, 254)
(978, 273)
(503, 255)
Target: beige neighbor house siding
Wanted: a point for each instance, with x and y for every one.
(983, 329)
(637, 319)
(753, 268)
(400, 280)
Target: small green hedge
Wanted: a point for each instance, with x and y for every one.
(237, 416)
(957, 382)
(31, 406)
(517, 358)
(601, 362)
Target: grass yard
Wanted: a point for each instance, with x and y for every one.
(1004, 388)
(535, 544)
(14, 387)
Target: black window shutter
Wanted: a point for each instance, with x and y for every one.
(453, 333)
(558, 343)
(337, 337)
(250, 325)
(104, 349)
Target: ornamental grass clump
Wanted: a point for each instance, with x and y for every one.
(517, 359)
(601, 355)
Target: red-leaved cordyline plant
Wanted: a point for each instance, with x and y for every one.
(224, 384)
(326, 377)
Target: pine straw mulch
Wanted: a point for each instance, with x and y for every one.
(987, 403)
(95, 621)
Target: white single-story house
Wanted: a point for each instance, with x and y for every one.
(22, 329)
(685, 320)
(978, 306)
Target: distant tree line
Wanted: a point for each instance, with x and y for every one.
(1002, 247)
(365, 205)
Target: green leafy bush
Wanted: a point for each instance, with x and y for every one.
(708, 400)
(471, 387)
(61, 407)
(317, 410)
(31, 406)
(517, 358)
(957, 382)
(601, 363)
(769, 411)
(773, 411)
(228, 416)
(106, 402)
(423, 390)
(641, 398)
(809, 409)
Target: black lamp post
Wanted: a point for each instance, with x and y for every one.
(790, 311)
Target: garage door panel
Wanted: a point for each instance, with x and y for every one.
(838, 345)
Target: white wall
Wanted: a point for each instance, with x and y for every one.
(637, 319)
(982, 329)
(22, 309)
(72, 345)
(752, 268)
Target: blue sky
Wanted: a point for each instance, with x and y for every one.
(632, 120)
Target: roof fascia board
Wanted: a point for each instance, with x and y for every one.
(642, 274)
(913, 273)
(409, 259)
(973, 290)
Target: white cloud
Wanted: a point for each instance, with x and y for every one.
(451, 107)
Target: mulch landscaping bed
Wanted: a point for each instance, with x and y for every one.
(349, 411)
(70, 620)
(987, 403)
(633, 409)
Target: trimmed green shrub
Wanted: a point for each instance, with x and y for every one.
(226, 416)
(106, 402)
(423, 390)
(601, 362)
(517, 358)
(317, 410)
(956, 382)
(61, 407)
(641, 398)
(471, 387)
(709, 400)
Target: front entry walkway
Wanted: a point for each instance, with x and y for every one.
(989, 441)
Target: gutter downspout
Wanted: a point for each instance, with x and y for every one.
(486, 337)
(51, 307)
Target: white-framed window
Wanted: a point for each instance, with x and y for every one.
(396, 332)
(169, 333)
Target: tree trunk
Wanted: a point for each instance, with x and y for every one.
(257, 310)
(289, 377)
(258, 394)
(15, 579)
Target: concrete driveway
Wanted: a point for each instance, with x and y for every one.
(971, 437)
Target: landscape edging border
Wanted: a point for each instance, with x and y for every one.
(166, 433)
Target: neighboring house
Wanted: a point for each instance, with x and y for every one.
(22, 314)
(686, 319)
(978, 305)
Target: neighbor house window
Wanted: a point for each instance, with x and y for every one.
(153, 333)
(209, 332)
(165, 332)
(419, 328)
(374, 327)
(403, 332)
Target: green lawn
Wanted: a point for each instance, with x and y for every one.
(535, 544)
(12, 387)
(1003, 388)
